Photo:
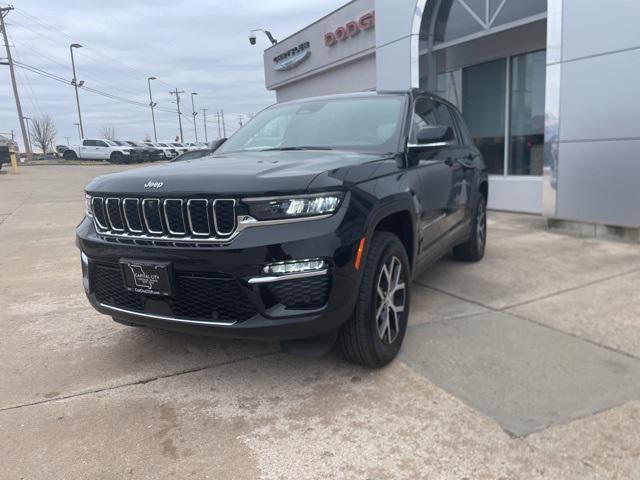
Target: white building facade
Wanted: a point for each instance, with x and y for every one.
(548, 89)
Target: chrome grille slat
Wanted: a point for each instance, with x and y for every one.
(131, 209)
(114, 215)
(192, 206)
(151, 208)
(99, 213)
(174, 217)
(178, 222)
(224, 218)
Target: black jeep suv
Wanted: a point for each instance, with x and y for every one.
(306, 226)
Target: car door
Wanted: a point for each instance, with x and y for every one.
(455, 156)
(470, 159)
(434, 179)
(88, 149)
(102, 150)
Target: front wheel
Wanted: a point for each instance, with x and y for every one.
(473, 249)
(373, 336)
(117, 158)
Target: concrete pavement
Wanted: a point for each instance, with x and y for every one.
(522, 366)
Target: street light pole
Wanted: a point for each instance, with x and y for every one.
(26, 119)
(151, 104)
(75, 84)
(204, 121)
(193, 111)
(79, 132)
(177, 94)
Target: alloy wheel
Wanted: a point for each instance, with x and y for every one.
(481, 226)
(390, 300)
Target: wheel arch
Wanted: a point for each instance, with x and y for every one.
(397, 217)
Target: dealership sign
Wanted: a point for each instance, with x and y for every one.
(292, 57)
(351, 29)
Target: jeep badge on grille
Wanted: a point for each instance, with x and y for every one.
(155, 185)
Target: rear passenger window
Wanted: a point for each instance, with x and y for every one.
(431, 112)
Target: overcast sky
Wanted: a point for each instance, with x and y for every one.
(197, 46)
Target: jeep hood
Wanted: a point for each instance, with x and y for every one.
(234, 174)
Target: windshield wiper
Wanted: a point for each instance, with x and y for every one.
(286, 149)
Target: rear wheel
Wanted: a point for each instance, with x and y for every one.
(473, 249)
(69, 155)
(373, 336)
(117, 158)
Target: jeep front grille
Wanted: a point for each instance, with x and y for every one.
(165, 220)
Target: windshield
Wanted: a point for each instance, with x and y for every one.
(122, 144)
(112, 143)
(176, 145)
(366, 124)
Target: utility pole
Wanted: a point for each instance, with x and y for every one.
(26, 119)
(219, 125)
(79, 132)
(68, 139)
(224, 126)
(151, 104)
(76, 84)
(194, 113)
(204, 121)
(3, 13)
(177, 94)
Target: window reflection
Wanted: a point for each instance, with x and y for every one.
(528, 73)
(483, 101)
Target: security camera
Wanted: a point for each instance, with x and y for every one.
(252, 38)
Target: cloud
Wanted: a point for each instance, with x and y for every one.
(196, 46)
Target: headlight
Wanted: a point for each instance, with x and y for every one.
(294, 206)
(88, 207)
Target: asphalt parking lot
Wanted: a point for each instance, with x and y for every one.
(526, 365)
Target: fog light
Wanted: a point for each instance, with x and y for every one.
(298, 266)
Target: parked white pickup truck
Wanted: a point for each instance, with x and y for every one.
(100, 149)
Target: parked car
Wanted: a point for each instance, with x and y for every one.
(154, 153)
(192, 155)
(60, 149)
(168, 151)
(179, 147)
(307, 226)
(99, 149)
(138, 155)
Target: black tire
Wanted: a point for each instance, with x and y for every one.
(473, 249)
(360, 339)
(117, 158)
(70, 155)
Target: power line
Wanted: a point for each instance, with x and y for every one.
(64, 81)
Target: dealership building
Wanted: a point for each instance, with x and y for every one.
(549, 89)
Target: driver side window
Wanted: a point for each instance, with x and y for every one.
(429, 112)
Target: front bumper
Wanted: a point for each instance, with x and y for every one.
(216, 292)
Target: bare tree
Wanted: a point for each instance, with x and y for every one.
(109, 132)
(43, 133)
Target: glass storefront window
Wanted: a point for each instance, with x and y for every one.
(526, 125)
(483, 109)
(514, 10)
(456, 19)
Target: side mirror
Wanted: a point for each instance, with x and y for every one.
(434, 136)
(213, 146)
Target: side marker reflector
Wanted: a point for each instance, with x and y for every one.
(360, 252)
